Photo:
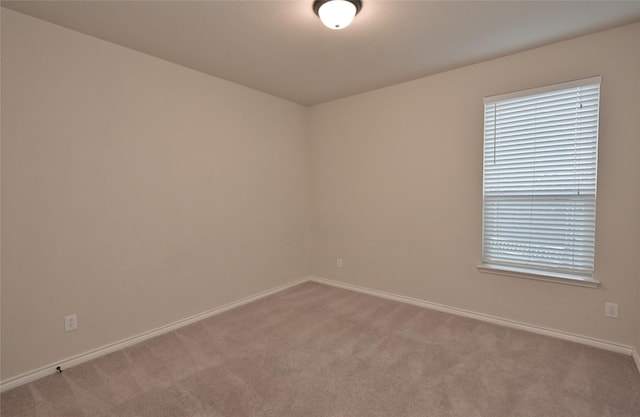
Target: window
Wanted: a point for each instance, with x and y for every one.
(539, 181)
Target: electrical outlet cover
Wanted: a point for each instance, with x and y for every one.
(611, 310)
(70, 322)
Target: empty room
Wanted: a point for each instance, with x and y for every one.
(320, 208)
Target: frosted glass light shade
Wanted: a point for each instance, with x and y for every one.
(337, 14)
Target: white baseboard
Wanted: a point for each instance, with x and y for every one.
(559, 334)
(112, 347)
(43, 371)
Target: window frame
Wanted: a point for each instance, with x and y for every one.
(523, 270)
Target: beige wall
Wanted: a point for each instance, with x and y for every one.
(397, 188)
(135, 192)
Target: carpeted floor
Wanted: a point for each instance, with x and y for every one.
(315, 350)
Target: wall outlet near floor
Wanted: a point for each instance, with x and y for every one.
(339, 263)
(611, 310)
(70, 322)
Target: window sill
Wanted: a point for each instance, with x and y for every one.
(556, 278)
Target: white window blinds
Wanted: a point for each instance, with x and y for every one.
(540, 166)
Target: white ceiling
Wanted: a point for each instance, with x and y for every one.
(281, 48)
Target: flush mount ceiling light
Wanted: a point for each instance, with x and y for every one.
(336, 14)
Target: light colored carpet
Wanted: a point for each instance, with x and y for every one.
(315, 350)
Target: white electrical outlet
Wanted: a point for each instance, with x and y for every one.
(70, 322)
(339, 263)
(611, 310)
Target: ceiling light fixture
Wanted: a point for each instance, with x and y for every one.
(336, 14)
